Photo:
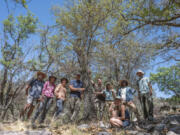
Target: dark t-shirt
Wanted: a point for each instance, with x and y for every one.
(36, 88)
(76, 84)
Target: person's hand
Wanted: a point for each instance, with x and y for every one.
(82, 89)
(26, 93)
(41, 99)
(150, 93)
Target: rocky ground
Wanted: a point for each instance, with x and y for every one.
(162, 125)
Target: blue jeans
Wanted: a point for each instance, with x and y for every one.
(43, 109)
(126, 123)
(59, 105)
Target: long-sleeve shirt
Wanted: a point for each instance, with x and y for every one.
(60, 92)
(48, 89)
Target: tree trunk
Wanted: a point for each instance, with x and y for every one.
(3, 85)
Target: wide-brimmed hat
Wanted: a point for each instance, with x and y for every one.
(77, 73)
(52, 76)
(41, 73)
(118, 98)
(140, 71)
(123, 81)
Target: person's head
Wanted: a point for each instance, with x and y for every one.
(117, 100)
(140, 73)
(99, 81)
(78, 76)
(123, 83)
(52, 79)
(108, 86)
(64, 81)
(41, 75)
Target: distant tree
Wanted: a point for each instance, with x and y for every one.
(15, 32)
(168, 79)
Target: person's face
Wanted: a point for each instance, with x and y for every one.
(99, 81)
(52, 80)
(117, 102)
(78, 77)
(139, 74)
(123, 84)
(109, 87)
(64, 83)
(40, 77)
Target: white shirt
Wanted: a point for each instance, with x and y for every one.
(123, 94)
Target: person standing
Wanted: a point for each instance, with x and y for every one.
(99, 98)
(145, 95)
(127, 93)
(33, 93)
(60, 93)
(46, 100)
(76, 91)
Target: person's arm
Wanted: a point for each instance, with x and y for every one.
(57, 90)
(98, 93)
(44, 89)
(122, 112)
(150, 88)
(27, 89)
(113, 94)
(29, 86)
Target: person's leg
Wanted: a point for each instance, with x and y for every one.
(38, 111)
(27, 106)
(76, 109)
(102, 106)
(116, 122)
(144, 106)
(47, 105)
(59, 105)
(134, 108)
(150, 107)
(30, 111)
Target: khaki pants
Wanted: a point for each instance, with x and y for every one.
(147, 105)
(73, 107)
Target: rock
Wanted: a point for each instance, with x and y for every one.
(141, 133)
(175, 129)
(171, 133)
(131, 132)
(104, 125)
(160, 127)
(83, 127)
(104, 133)
(155, 132)
(43, 132)
(11, 133)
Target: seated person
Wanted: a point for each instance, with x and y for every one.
(119, 114)
(126, 94)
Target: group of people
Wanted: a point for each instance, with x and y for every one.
(41, 93)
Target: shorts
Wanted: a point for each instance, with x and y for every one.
(126, 123)
(32, 100)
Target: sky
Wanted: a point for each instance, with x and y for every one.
(42, 10)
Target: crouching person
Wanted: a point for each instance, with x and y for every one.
(126, 94)
(60, 93)
(46, 100)
(119, 114)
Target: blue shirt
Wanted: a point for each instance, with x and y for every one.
(36, 88)
(109, 95)
(76, 84)
(129, 93)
